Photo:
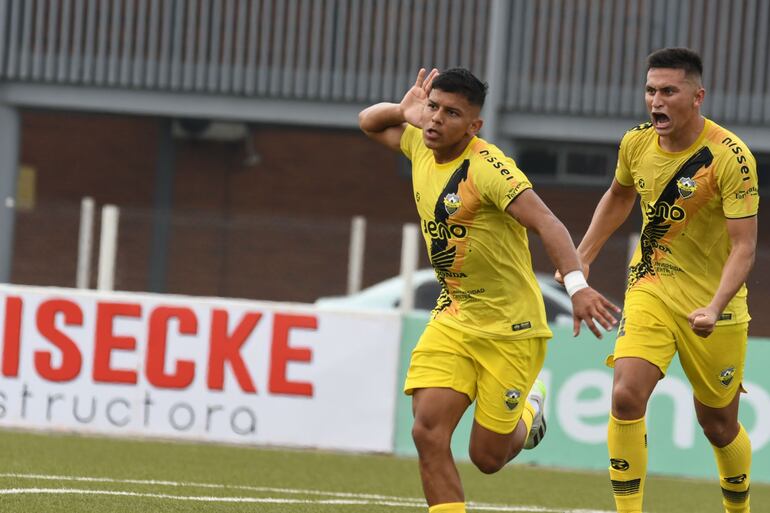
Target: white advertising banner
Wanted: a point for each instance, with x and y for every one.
(201, 368)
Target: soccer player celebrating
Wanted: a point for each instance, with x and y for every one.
(697, 185)
(487, 336)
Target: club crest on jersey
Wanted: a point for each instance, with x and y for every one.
(512, 398)
(452, 203)
(686, 186)
(726, 376)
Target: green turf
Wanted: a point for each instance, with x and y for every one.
(295, 472)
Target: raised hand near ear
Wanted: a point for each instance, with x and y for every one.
(414, 100)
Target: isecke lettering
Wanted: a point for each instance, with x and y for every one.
(224, 346)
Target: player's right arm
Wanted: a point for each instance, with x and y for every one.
(611, 212)
(385, 122)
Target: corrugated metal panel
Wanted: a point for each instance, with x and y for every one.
(329, 63)
(478, 64)
(226, 68)
(199, 63)
(115, 30)
(565, 57)
(152, 44)
(251, 50)
(7, 23)
(264, 48)
(37, 46)
(102, 38)
(191, 44)
(3, 26)
(88, 50)
(26, 38)
(59, 55)
(52, 33)
(177, 24)
(338, 80)
(746, 68)
(137, 60)
(240, 46)
(761, 87)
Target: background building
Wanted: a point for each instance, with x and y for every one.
(226, 130)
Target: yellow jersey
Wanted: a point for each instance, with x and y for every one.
(479, 252)
(686, 198)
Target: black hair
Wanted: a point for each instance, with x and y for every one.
(677, 58)
(463, 82)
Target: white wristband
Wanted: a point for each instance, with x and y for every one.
(574, 281)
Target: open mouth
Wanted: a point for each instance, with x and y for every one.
(431, 133)
(660, 120)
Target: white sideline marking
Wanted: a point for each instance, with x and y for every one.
(199, 498)
(216, 486)
(343, 498)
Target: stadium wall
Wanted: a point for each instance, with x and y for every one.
(240, 230)
(578, 404)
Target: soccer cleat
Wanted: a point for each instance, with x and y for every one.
(537, 431)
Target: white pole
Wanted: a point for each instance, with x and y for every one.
(409, 258)
(85, 242)
(356, 254)
(108, 245)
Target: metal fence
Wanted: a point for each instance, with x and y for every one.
(310, 49)
(565, 57)
(588, 56)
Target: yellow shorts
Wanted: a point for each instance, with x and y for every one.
(497, 374)
(714, 365)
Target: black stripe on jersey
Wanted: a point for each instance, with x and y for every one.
(444, 299)
(643, 126)
(657, 227)
(443, 259)
(441, 256)
(452, 186)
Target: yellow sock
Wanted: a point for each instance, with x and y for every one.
(734, 464)
(528, 415)
(627, 444)
(448, 507)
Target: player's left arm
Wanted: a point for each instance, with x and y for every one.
(587, 304)
(743, 238)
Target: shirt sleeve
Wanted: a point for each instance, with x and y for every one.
(738, 183)
(411, 136)
(622, 169)
(500, 180)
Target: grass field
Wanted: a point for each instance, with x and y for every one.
(72, 474)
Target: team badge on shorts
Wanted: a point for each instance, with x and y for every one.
(686, 186)
(726, 376)
(452, 203)
(512, 398)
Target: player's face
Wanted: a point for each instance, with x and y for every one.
(449, 120)
(673, 100)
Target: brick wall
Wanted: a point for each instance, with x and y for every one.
(278, 230)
